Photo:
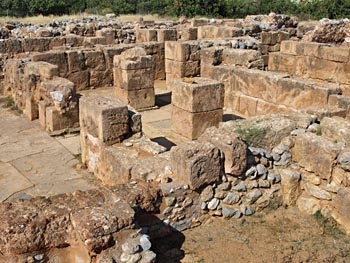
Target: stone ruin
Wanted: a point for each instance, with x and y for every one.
(292, 148)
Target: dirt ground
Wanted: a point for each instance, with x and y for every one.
(280, 236)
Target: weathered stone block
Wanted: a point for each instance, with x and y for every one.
(94, 59)
(190, 33)
(338, 54)
(166, 35)
(290, 182)
(133, 79)
(42, 113)
(108, 34)
(201, 95)
(234, 149)
(101, 78)
(341, 211)
(104, 118)
(316, 68)
(43, 69)
(197, 164)
(31, 108)
(182, 69)
(336, 129)
(315, 153)
(177, 50)
(39, 44)
(290, 64)
(56, 120)
(92, 41)
(192, 125)
(239, 57)
(146, 35)
(138, 99)
(291, 47)
(57, 58)
(75, 61)
(80, 79)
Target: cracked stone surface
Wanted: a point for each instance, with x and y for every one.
(35, 164)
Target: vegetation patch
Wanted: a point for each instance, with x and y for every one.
(251, 135)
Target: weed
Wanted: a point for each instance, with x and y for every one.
(9, 103)
(252, 135)
(318, 131)
(328, 225)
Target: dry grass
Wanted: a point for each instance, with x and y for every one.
(47, 19)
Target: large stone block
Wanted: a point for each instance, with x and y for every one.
(341, 211)
(182, 69)
(290, 182)
(241, 57)
(39, 44)
(336, 129)
(322, 69)
(94, 59)
(138, 99)
(101, 78)
(290, 64)
(107, 33)
(57, 58)
(201, 95)
(234, 149)
(133, 79)
(80, 79)
(166, 35)
(104, 118)
(197, 164)
(337, 54)
(75, 60)
(316, 154)
(343, 74)
(43, 69)
(190, 33)
(57, 120)
(177, 50)
(146, 35)
(192, 125)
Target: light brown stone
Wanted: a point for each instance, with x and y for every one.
(196, 164)
(290, 183)
(138, 99)
(341, 211)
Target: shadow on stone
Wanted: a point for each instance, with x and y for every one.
(164, 142)
(230, 117)
(163, 99)
(166, 240)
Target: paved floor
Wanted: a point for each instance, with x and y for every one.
(32, 163)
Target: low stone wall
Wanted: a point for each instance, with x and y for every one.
(313, 61)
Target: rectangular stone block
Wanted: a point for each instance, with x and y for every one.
(182, 69)
(39, 44)
(196, 164)
(146, 35)
(291, 47)
(247, 106)
(108, 34)
(80, 79)
(166, 35)
(311, 49)
(322, 69)
(43, 69)
(91, 41)
(56, 120)
(192, 125)
(196, 22)
(190, 33)
(101, 78)
(57, 42)
(74, 40)
(76, 61)
(240, 57)
(138, 99)
(177, 51)
(200, 96)
(343, 73)
(293, 65)
(42, 113)
(110, 52)
(94, 59)
(208, 32)
(133, 79)
(104, 118)
(337, 54)
(31, 108)
(57, 58)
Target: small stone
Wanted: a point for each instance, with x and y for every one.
(224, 186)
(30, 259)
(203, 205)
(207, 194)
(124, 257)
(251, 171)
(131, 248)
(297, 132)
(261, 169)
(247, 211)
(148, 257)
(280, 149)
(252, 184)
(187, 202)
(332, 187)
(145, 242)
(276, 157)
(240, 187)
(277, 179)
(128, 144)
(313, 127)
(317, 192)
(264, 183)
(220, 194)
(170, 201)
(213, 204)
(229, 212)
(253, 195)
(231, 199)
(39, 257)
(285, 159)
(134, 258)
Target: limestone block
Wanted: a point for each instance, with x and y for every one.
(104, 118)
(13, 45)
(201, 95)
(196, 22)
(111, 51)
(337, 54)
(190, 33)
(146, 35)
(290, 64)
(133, 79)
(308, 204)
(282, 36)
(57, 42)
(182, 69)
(177, 50)
(94, 59)
(210, 57)
(56, 120)
(31, 108)
(74, 40)
(297, 93)
(39, 44)
(80, 79)
(264, 107)
(75, 61)
(166, 35)
(311, 49)
(291, 47)
(341, 211)
(343, 73)
(101, 78)
(43, 69)
(107, 33)
(42, 113)
(336, 129)
(315, 153)
(340, 176)
(290, 185)
(208, 32)
(234, 149)
(197, 164)
(316, 68)
(92, 41)
(138, 99)
(57, 58)
(240, 57)
(269, 38)
(246, 106)
(274, 48)
(192, 125)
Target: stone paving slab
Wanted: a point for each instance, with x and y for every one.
(11, 181)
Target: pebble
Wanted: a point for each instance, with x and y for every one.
(240, 187)
(145, 242)
(297, 132)
(207, 194)
(213, 204)
(253, 195)
(203, 205)
(251, 171)
(231, 199)
(247, 211)
(224, 186)
(131, 247)
(261, 169)
(39, 257)
(230, 212)
(148, 257)
(280, 149)
(187, 202)
(220, 194)
(285, 159)
(264, 183)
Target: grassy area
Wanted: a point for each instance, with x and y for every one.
(48, 19)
